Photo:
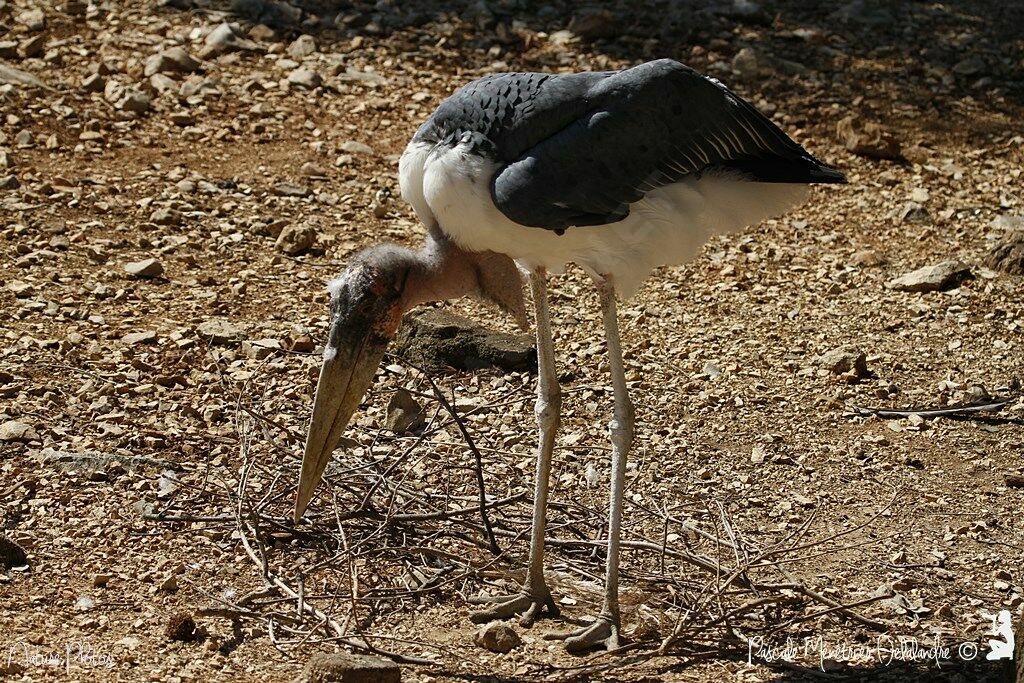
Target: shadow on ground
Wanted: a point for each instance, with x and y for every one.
(914, 58)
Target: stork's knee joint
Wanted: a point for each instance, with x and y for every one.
(548, 407)
(621, 428)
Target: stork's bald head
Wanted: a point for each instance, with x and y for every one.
(367, 303)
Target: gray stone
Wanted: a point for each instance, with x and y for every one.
(13, 430)
(438, 340)
(202, 87)
(113, 91)
(9, 182)
(303, 46)
(144, 337)
(912, 212)
(845, 359)
(219, 331)
(562, 38)
(21, 289)
(939, 277)
(146, 268)
(366, 77)
(296, 239)
(868, 258)
(33, 19)
(224, 39)
(165, 216)
(313, 170)
(290, 190)
(404, 414)
(746, 64)
(162, 83)
(305, 78)
(342, 667)
(93, 461)
(1008, 253)
(1007, 222)
(8, 74)
(260, 348)
(134, 101)
(94, 83)
(356, 147)
(172, 60)
(498, 636)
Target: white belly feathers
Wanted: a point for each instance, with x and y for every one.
(451, 188)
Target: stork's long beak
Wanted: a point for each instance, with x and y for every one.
(345, 376)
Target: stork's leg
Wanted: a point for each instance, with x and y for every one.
(605, 629)
(535, 596)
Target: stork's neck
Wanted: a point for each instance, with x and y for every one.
(440, 270)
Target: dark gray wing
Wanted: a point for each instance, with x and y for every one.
(511, 111)
(626, 133)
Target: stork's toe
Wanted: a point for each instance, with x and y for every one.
(602, 633)
(523, 603)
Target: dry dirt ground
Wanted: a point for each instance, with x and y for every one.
(130, 401)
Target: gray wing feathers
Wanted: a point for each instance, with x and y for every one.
(595, 151)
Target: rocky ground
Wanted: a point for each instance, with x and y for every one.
(177, 182)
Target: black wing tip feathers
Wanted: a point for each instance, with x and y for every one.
(829, 175)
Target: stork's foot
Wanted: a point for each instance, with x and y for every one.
(603, 633)
(530, 604)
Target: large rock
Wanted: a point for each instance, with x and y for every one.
(868, 139)
(134, 101)
(171, 60)
(746, 64)
(145, 268)
(8, 74)
(438, 340)
(1008, 253)
(404, 414)
(303, 46)
(843, 360)
(219, 331)
(937, 278)
(287, 189)
(296, 239)
(305, 78)
(348, 668)
(13, 430)
(498, 636)
(224, 39)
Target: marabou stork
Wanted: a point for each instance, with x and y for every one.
(619, 172)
